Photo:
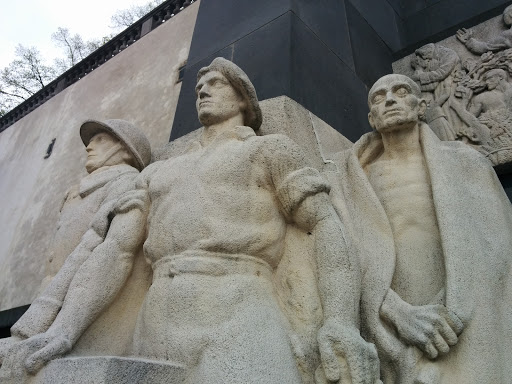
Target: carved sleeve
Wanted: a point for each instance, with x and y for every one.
(293, 179)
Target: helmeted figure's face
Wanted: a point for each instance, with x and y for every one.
(100, 150)
(217, 100)
(394, 104)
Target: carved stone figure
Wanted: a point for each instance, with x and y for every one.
(213, 222)
(498, 43)
(434, 66)
(116, 152)
(433, 229)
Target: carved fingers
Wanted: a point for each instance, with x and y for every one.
(464, 35)
(346, 356)
(431, 328)
(46, 349)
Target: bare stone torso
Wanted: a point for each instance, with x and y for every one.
(403, 187)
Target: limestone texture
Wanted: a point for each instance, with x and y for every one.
(432, 228)
(227, 301)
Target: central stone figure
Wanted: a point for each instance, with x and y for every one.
(216, 221)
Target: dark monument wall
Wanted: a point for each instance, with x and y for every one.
(324, 54)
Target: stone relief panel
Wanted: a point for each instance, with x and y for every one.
(466, 81)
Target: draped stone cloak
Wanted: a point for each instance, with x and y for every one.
(475, 224)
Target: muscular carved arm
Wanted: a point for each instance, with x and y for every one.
(339, 283)
(95, 284)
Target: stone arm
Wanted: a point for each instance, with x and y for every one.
(42, 312)
(499, 43)
(95, 284)
(339, 282)
(432, 328)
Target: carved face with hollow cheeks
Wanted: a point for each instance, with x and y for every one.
(217, 100)
(395, 104)
(99, 150)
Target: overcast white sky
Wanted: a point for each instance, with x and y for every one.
(32, 22)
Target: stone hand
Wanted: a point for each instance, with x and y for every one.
(344, 353)
(464, 35)
(43, 348)
(431, 328)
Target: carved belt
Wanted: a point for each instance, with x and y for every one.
(210, 263)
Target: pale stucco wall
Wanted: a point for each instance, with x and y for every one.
(138, 85)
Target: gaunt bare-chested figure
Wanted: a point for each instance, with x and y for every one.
(400, 179)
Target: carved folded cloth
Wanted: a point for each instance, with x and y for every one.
(211, 263)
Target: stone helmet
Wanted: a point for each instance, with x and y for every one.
(131, 136)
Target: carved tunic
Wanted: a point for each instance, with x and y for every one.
(216, 231)
(81, 204)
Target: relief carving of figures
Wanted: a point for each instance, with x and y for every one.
(433, 230)
(213, 222)
(466, 82)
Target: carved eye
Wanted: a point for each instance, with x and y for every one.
(378, 98)
(402, 91)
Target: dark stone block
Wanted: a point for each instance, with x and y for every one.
(372, 57)
(444, 17)
(265, 56)
(327, 19)
(406, 8)
(222, 22)
(325, 85)
(9, 317)
(285, 57)
(381, 17)
(506, 181)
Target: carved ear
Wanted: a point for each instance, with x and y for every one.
(370, 120)
(422, 108)
(242, 105)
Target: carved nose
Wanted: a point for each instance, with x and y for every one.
(390, 99)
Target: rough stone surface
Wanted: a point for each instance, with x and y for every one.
(465, 79)
(138, 85)
(432, 227)
(109, 370)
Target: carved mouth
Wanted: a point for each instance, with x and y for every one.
(392, 111)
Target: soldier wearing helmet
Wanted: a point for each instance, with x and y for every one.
(116, 152)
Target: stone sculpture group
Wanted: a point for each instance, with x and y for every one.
(412, 249)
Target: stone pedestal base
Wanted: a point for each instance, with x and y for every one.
(109, 369)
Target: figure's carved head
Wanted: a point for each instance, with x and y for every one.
(114, 142)
(223, 89)
(395, 103)
(494, 77)
(426, 52)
